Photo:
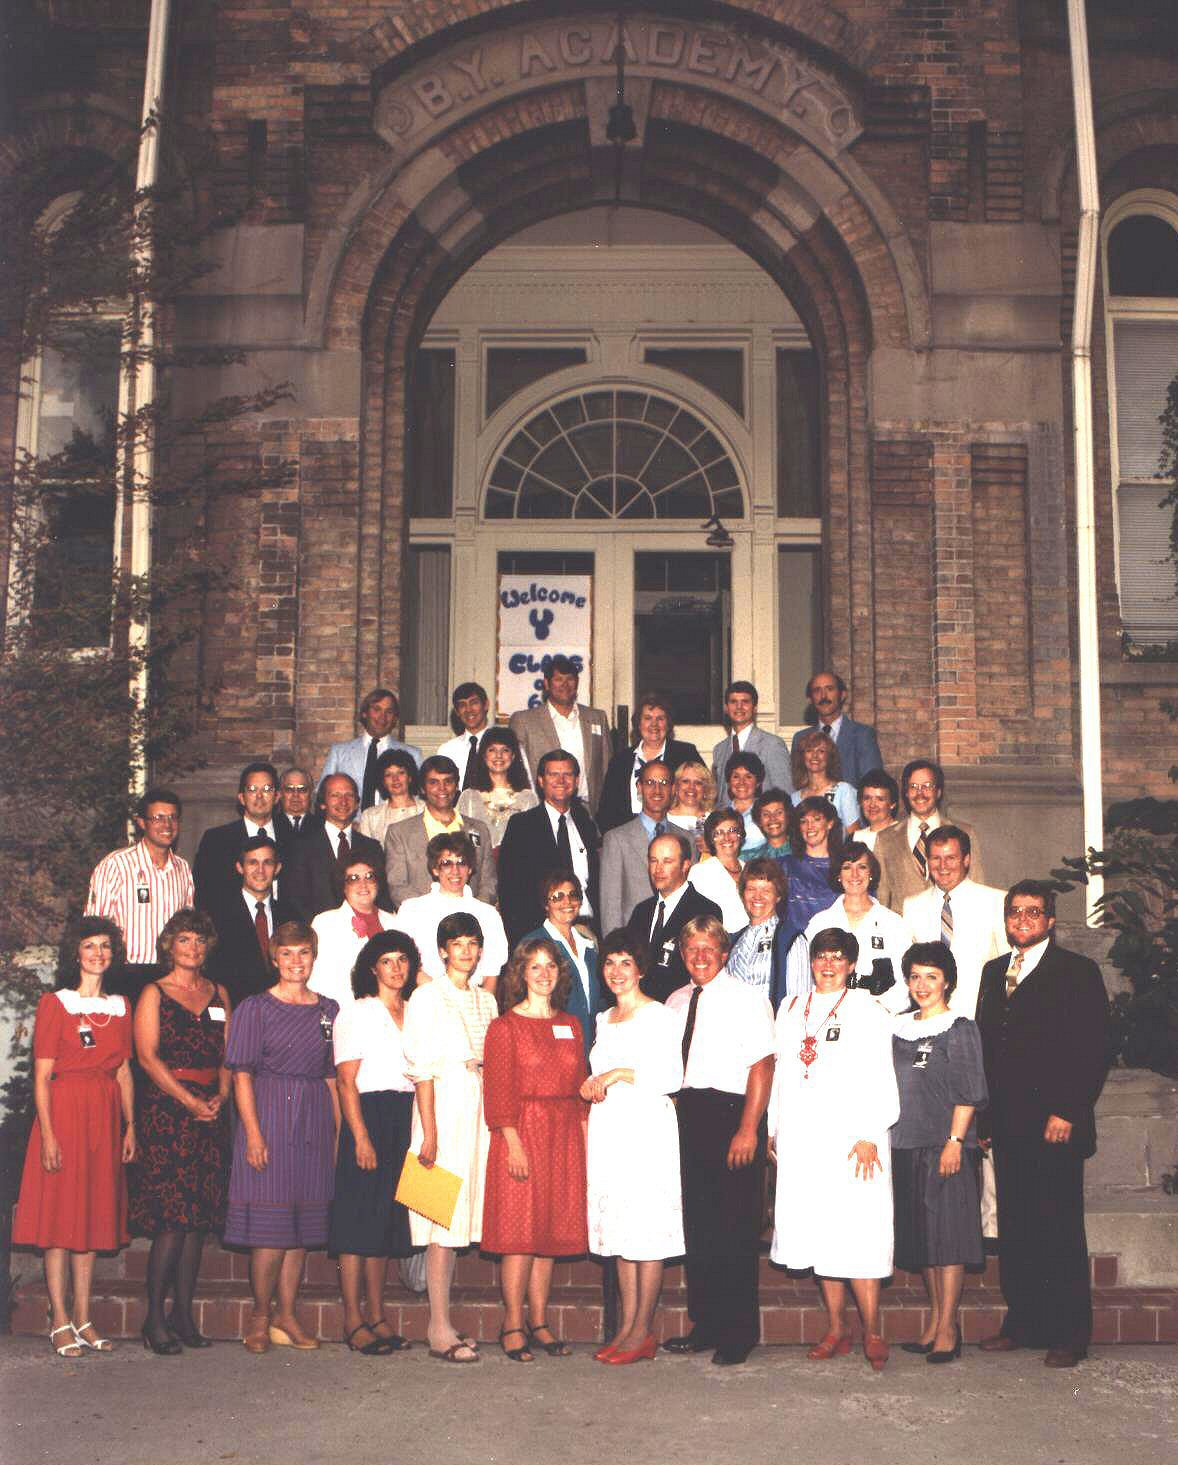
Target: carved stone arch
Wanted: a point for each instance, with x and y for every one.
(1124, 124)
(407, 258)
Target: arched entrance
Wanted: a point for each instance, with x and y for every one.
(506, 130)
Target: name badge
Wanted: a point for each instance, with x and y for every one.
(216, 1014)
(668, 953)
(142, 894)
(877, 943)
(562, 1030)
(326, 1025)
(766, 944)
(85, 1036)
(923, 1049)
(833, 1033)
(475, 839)
(595, 730)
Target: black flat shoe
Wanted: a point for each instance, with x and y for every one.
(687, 1343)
(189, 1337)
(924, 1348)
(394, 1342)
(555, 1347)
(517, 1355)
(165, 1347)
(377, 1348)
(946, 1355)
(730, 1357)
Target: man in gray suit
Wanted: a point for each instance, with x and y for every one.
(406, 842)
(561, 721)
(902, 850)
(625, 868)
(856, 742)
(744, 736)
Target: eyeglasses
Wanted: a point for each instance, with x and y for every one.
(655, 782)
(453, 864)
(359, 879)
(922, 788)
(295, 788)
(560, 897)
(161, 819)
(259, 788)
(1027, 913)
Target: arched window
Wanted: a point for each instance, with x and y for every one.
(1141, 294)
(614, 453)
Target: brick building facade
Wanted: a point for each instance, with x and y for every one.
(902, 171)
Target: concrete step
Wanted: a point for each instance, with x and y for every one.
(791, 1310)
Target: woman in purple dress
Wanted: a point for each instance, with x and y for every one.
(280, 1052)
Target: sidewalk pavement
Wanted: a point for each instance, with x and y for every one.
(131, 1408)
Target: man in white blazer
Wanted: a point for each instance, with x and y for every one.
(561, 721)
(968, 917)
(625, 863)
(740, 717)
(379, 714)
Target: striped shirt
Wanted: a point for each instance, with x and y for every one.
(115, 892)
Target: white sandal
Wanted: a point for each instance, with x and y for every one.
(100, 1345)
(66, 1350)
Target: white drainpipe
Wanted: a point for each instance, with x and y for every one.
(138, 385)
(1091, 773)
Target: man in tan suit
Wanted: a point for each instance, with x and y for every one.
(901, 850)
(561, 721)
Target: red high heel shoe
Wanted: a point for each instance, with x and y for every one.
(875, 1350)
(644, 1350)
(830, 1346)
(604, 1353)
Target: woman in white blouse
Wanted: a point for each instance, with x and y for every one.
(343, 931)
(499, 787)
(880, 932)
(367, 1224)
(718, 872)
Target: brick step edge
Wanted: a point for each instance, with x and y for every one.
(1120, 1315)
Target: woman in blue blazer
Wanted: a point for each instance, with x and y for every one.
(561, 892)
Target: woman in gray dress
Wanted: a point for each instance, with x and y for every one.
(938, 1057)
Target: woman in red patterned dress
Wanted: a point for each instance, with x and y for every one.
(178, 1189)
(534, 1066)
(73, 1193)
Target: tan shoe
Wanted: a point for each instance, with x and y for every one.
(257, 1337)
(292, 1338)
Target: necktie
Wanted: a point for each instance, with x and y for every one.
(946, 923)
(826, 728)
(564, 846)
(659, 828)
(472, 761)
(1012, 972)
(918, 851)
(368, 790)
(656, 935)
(689, 1026)
(261, 926)
(735, 745)
(343, 851)
(296, 822)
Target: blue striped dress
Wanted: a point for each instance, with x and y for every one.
(287, 1050)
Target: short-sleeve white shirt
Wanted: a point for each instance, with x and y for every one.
(367, 1032)
(733, 1030)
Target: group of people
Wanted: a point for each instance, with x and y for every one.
(601, 994)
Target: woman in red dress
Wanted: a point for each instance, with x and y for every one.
(73, 1192)
(534, 1066)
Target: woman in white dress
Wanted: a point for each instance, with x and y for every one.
(834, 1100)
(451, 858)
(343, 932)
(396, 773)
(718, 872)
(635, 1195)
(880, 932)
(499, 787)
(445, 1032)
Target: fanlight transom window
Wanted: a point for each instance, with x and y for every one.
(614, 453)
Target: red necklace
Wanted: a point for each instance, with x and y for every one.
(809, 1049)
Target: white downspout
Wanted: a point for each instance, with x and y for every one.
(138, 388)
(1091, 773)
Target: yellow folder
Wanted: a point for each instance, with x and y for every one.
(432, 1193)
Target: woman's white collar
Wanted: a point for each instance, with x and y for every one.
(73, 1002)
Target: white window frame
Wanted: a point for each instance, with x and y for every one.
(1117, 308)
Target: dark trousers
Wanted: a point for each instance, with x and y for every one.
(1042, 1248)
(721, 1221)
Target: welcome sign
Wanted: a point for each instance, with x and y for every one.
(541, 616)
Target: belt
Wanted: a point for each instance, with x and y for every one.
(203, 1076)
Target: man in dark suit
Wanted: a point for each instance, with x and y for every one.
(857, 745)
(294, 803)
(652, 736)
(245, 919)
(313, 881)
(214, 871)
(1043, 1016)
(657, 922)
(557, 834)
